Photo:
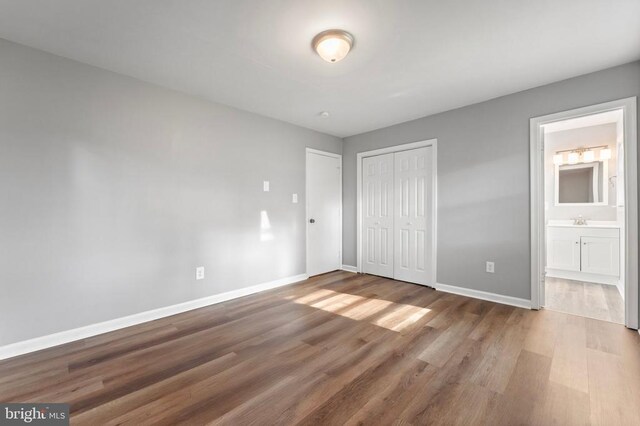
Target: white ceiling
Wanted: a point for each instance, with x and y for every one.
(411, 58)
(598, 119)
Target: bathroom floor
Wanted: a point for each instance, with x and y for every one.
(598, 301)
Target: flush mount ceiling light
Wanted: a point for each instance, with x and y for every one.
(332, 45)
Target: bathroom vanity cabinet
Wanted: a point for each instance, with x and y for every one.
(589, 253)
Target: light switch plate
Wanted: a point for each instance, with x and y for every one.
(491, 267)
(265, 186)
(294, 198)
(200, 273)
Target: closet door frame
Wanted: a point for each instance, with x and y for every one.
(398, 148)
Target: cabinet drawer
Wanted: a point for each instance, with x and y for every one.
(566, 231)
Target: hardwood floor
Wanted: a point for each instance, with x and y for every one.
(598, 301)
(343, 349)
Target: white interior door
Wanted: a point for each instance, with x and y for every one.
(413, 231)
(324, 212)
(377, 215)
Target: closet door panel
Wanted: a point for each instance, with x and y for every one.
(378, 211)
(413, 221)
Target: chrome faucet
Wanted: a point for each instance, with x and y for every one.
(579, 220)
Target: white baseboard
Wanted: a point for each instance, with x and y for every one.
(484, 295)
(350, 268)
(582, 276)
(39, 343)
(620, 287)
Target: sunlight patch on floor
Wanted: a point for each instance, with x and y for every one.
(307, 299)
(402, 317)
(396, 316)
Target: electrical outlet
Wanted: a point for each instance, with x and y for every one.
(200, 273)
(265, 186)
(491, 267)
(294, 198)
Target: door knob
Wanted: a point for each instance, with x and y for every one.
(312, 221)
(409, 223)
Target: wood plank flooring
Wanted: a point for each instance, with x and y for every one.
(348, 349)
(598, 301)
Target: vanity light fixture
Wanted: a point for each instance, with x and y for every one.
(573, 157)
(332, 45)
(588, 156)
(558, 159)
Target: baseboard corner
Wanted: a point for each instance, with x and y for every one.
(349, 268)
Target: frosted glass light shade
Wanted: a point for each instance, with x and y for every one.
(333, 45)
(558, 159)
(605, 154)
(574, 157)
(588, 156)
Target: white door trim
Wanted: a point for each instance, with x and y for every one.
(628, 107)
(397, 148)
(306, 202)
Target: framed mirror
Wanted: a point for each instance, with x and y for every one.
(583, 184)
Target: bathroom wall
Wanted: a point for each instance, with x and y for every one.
(604, 134)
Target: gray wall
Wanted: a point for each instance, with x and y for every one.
(483, 176)
(112, 191)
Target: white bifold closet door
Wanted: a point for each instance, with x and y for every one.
(413, 235)
(397, 222)
(377, 215)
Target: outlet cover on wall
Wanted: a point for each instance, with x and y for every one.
(491, 267)
(265, 186)
(200, 273)
(294, 198)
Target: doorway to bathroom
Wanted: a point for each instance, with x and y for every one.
(584, 212)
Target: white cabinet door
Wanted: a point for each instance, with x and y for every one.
(601, 255)
(323, 208)
(563, 249)
(377, 215)
(413, 216)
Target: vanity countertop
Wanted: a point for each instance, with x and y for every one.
(590, 224)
